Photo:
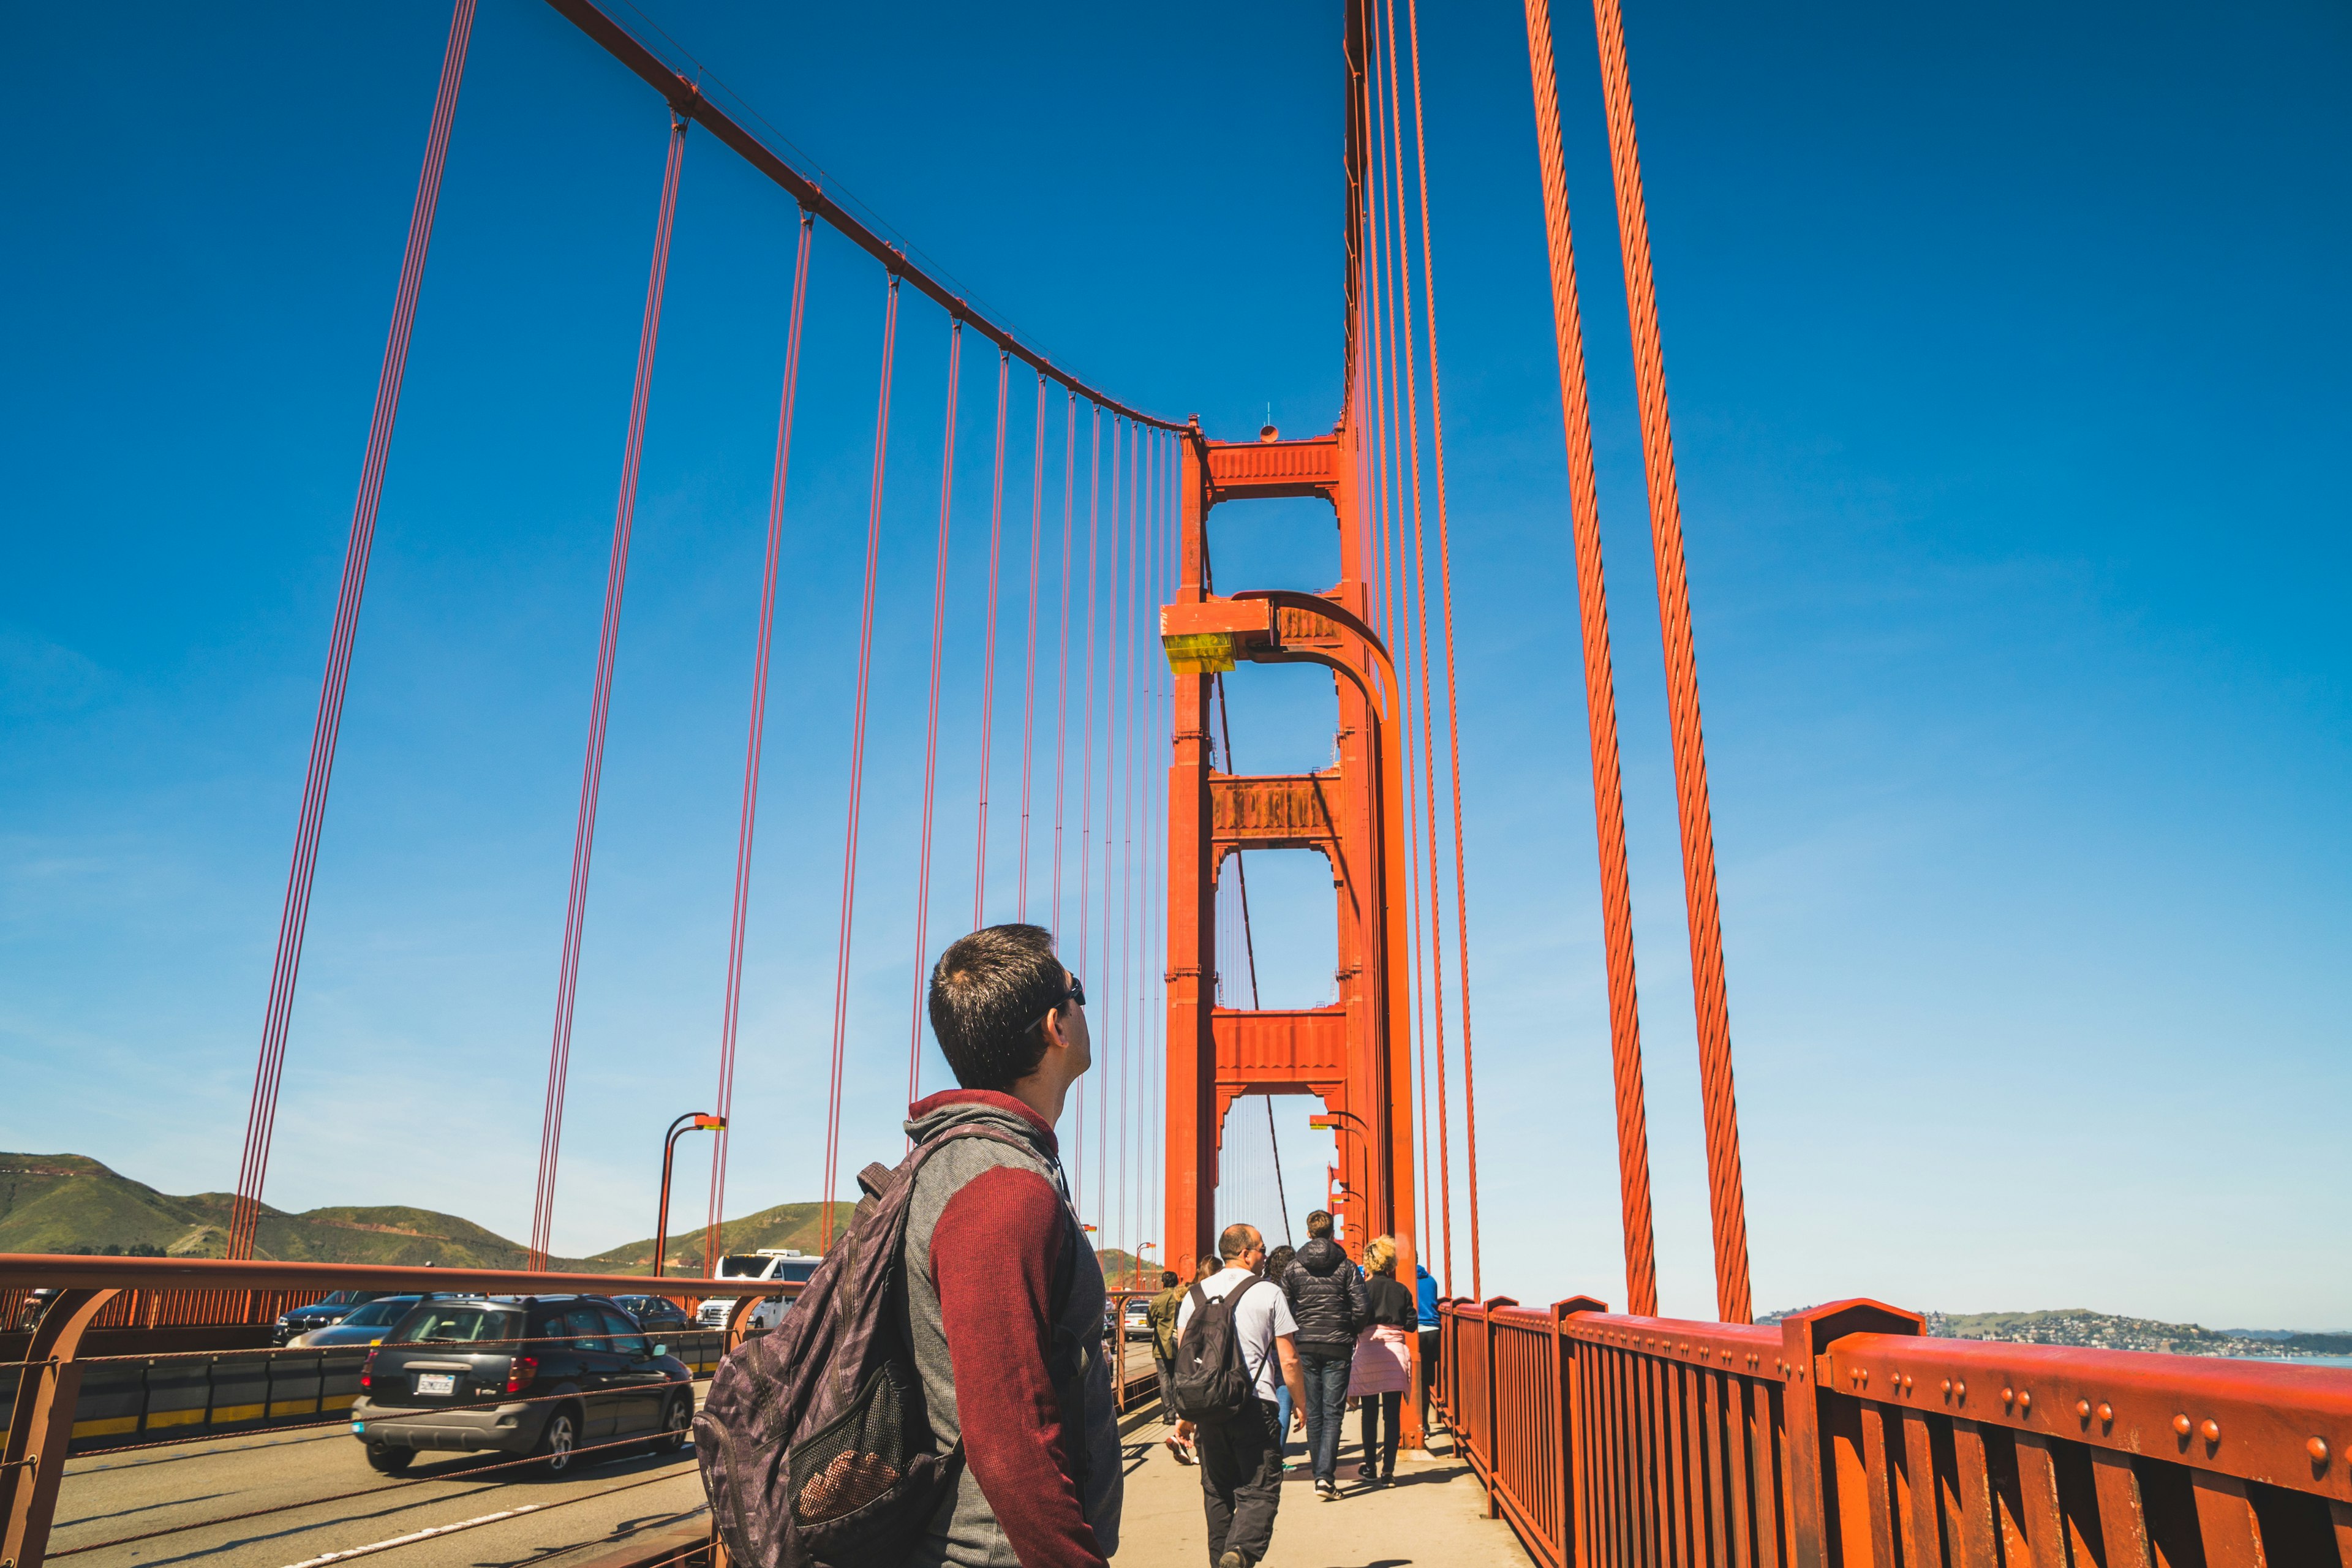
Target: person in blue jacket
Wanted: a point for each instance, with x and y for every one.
(1425, 1288)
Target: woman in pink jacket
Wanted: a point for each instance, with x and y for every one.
(1382, 1368)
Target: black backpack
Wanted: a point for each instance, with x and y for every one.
(813, 1443)
(1213, 1382)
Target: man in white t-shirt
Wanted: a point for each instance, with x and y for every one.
(1241, 1459)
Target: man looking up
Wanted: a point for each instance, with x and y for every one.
(1004, 1301)
(1241, 1459)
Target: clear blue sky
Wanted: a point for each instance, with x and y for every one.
(2007, 349)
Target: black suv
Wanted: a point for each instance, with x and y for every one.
(531, 1374)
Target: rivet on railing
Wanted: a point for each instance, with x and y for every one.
(2211, 1431)
(1960, 1391)
(2024, 1403)
(2082, 1409)
(2317, 1449)
(2180, 1425)
(2008, 1396)
(1907, 1383)
(2106, 1415)
(1947, 1388)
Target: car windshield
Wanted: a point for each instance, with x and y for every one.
(738, 1268)
(439, 1324)
(375, 1314)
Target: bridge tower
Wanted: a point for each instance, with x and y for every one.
(1356, 1055)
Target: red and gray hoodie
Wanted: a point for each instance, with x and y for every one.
(1004, 1311)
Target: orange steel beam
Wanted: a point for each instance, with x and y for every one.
(687, 97)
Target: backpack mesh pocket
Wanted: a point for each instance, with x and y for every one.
(858, 1457)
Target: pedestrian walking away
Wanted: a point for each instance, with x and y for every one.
(1277, 1262)
(1328, 1300)
(1383, 1367)
(1004, 1300)
(1235, 1346)
(1161, 1318)
(1432, 1338)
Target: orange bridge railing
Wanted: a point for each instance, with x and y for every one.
(1841, 1436)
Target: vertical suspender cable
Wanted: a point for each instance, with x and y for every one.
(858, 766)
(1600, 684)
(1452, 710)
(1414, 601)
(1725, 1187)
(262, 1117)
(592, 773)
(988, 637)
(1087, 761)
(931, 722)
(1110, 777)
(725, 1100)
(1029, 658)
(1061, 673)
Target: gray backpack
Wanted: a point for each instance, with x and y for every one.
(813, 1443)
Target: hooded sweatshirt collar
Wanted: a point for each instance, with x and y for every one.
(934, 1114)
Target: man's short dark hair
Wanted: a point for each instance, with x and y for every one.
(1237, 1239)
(989, 993)
(1318, 1224)
(1168, 1279)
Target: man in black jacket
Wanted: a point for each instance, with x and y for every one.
(1326, 1296)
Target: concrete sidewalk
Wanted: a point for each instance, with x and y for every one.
(1434, 1514)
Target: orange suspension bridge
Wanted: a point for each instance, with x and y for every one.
(1840, 1436)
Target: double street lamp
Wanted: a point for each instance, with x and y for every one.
(692, 1121)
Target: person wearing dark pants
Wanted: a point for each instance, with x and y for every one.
(1327, 1297)
(1432, 1340)
(1240, 1451)
(1384, 1361)
(1161, 1317)
(1240, 1485)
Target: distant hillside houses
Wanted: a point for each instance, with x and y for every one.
(2112, 1331)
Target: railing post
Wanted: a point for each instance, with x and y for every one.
(1572, 1479)
(1816, 1509)
(41, 1427)
(1492, 1305)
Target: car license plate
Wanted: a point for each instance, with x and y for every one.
(436, 1382)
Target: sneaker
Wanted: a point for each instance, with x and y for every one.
(1327, 1490)
(1235, 1558)
(1183, 1451)
(1365, 1472)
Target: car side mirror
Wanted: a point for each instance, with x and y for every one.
(660, 1351)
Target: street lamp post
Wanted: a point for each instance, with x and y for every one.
(692, 1121)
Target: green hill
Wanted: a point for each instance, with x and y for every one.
(71, 1204)
(68, 1203)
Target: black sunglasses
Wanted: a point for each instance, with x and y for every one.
(1076, 993)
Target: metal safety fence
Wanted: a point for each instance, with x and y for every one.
(64, 1396)
(1843, 1437)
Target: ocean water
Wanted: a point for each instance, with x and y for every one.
(2304, 1360)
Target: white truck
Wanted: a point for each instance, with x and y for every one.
(768, 1263)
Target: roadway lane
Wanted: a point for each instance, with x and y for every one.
(192, 1491)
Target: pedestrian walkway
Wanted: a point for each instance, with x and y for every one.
(1435, 1514)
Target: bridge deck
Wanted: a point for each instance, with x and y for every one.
(1435, 1514)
